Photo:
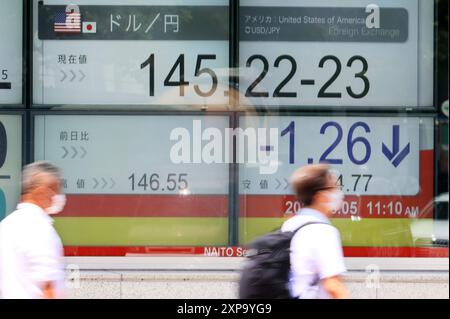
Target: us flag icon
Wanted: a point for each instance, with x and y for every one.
(67, 22)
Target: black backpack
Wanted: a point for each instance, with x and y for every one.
(266, 272)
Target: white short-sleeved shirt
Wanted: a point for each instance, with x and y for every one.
(316, 253)
(31, 253)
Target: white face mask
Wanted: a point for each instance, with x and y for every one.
(336, 199)
(58, 203)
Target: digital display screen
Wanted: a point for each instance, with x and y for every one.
(133, 180)
(333, 53)
(131, 52)
(384, 166)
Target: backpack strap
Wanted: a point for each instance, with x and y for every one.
(310, 223)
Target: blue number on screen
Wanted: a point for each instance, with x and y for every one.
(351, 143)
(324, 157)
(291, 130)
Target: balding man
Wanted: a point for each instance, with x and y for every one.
(317, 261)
(31, 253)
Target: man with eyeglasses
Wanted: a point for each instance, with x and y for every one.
(317, 261)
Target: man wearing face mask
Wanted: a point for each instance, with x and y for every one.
(317, 261)
(31, 252)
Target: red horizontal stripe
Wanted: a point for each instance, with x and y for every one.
(127, 250)
(146, 206)
(406, 252)
(274, 206)
(418, 252)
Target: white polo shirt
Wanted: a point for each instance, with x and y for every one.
(316, 253)
(31, 253)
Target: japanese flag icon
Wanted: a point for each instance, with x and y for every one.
(89, 27)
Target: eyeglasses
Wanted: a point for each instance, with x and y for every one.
(328, 187)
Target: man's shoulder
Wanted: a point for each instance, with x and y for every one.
(297, 221)
(12, 219)
(23, 220)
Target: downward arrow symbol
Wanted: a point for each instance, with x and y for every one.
(395, 143)
(394, 155)
(401, 156)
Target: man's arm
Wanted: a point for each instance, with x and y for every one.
(43, 261)
(335, 287)
(330, 262)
